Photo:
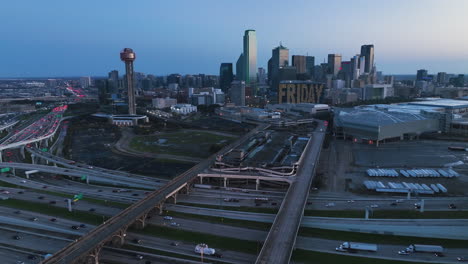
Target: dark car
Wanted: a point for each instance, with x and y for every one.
(41, 197)
(33, 257)
(135, 194)
(16, 237)
(53, 219)
(452, 206)
(92, 209)
(75, 227)
(20, 192)
(136, 240)
(393, 204)
(218, 255)
(53, 202)
(17, 212)
(439, 254)
(82, 225)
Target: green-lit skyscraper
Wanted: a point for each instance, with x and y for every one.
(250, 59)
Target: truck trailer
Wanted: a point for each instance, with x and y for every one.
(425, 248)
(355, 246)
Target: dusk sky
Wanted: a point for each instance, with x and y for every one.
(75, 38)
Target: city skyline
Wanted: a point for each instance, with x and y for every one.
(403, 34)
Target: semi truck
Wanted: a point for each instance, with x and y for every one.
(206, 250)
(425, 248)
(355, 246)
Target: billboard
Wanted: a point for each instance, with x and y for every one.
(294, 92)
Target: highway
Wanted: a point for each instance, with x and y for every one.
(104, 232)
(85, 167)
(281, 239)
(95, 176)
(41, 129)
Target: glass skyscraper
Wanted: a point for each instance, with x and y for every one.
(250, 58)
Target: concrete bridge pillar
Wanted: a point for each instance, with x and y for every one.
(225, 182)
(201, 179)
(140, 223)
(22, 152)
(118, 240)
(14, 171)
(257, 184)
(93, 257)
(174, 197)
(33, 159)
(159, 207)
(55, 164)
(1, 155)
(46, 143)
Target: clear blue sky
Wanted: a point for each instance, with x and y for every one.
(84, 37)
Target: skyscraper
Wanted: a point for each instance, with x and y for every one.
(299, 62)
(261, 76)
(279, 58)
(442, 77)
(250, 58)
(225, 76)
(128, 56)
(240, 70)
(368, 52)
(421, 75)
(355, 67)
(310, 64)
(334, 64)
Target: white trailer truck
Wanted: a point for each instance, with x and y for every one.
(355, 246)
(425, 248)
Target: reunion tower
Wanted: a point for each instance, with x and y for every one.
(128, 56)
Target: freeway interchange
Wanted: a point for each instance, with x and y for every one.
(119, 188)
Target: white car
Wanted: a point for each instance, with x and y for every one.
(175, 224)
(403, 252)
(168, 217)
(374, 206)
(350, 201)
(330, 204)
(23, 181)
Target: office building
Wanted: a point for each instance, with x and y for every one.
(237, 93)
(310, 64)
(299, 62)
(250, 57)
(85, 82)
(354, 67)
(421, 75)
(261, 76)
(368, 52)
(442, 77)
(161, 103)
(334, 64)
(225, 76)
(279, 58)
(240, 71)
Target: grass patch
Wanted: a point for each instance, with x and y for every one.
(377, 238)
(390, 214)
(304, 256)
(234, 208)
(222, 220)
(182, 142)
(196, 237)
(47, 209)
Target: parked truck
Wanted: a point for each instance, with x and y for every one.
(425, 248)
(355, 246)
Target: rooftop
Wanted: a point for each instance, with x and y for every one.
(446, 103)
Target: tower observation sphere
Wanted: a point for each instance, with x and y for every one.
(128, 56)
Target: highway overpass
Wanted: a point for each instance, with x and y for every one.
(86, 249)
(281, 239)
